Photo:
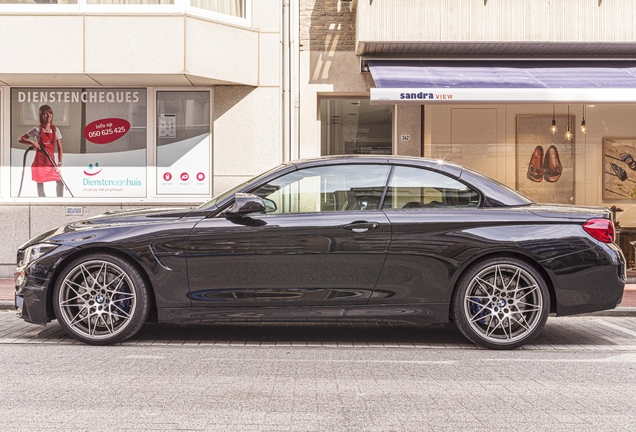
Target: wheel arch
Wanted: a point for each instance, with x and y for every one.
(505, 254)
(96, 250)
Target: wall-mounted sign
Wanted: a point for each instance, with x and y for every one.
(74, 211)
(619, 168)
(545, 161)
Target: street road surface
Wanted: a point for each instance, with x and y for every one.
(579, 375)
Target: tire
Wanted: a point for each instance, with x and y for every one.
(501, 303)
(100, 299)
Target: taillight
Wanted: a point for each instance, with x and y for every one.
(600, 229)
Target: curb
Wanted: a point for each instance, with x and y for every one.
(7, 305)
(624, 311)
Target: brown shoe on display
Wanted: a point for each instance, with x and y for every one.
(629, 160)
(552, 165)
(620, 172)
(535, 167)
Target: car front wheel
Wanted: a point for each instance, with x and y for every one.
(501, 303)
(100, 299)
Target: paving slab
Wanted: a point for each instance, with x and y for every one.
(577, 333)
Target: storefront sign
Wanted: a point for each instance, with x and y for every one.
(485, 95)
(43, 96)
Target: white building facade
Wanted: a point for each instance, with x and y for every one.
(169, 102)
(480, 83)
(158, 103)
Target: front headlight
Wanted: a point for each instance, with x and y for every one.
(36, 251)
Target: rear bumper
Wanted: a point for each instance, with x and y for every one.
(588, 281)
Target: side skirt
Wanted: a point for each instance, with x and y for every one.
(429, 313)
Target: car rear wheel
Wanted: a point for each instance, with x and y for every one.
(501, 303)
(100, 299)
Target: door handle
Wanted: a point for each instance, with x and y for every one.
(361, 226)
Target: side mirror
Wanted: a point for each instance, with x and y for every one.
(270, 206)
(245, 204)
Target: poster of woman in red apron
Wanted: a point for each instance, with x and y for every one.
(45, 137)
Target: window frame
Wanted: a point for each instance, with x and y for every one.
(218, 208)
(155, 194)
(445, 208)
(178, 7)
(5, 137)
(380, 202)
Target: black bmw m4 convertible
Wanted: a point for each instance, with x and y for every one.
(339, 238)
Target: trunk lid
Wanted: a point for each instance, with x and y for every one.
(568, 212)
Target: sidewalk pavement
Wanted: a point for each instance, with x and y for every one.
(626, 308)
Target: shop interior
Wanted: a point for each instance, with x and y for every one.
(563, 153)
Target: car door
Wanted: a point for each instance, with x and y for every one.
(322, 242)
(428, 211)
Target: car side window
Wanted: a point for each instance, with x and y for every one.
(327, 189)
(416, 188)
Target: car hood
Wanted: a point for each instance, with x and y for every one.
(151, 215)
(570, 212)
(111, 219)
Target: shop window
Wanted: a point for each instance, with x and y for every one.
(129, 2)
(354, 126)
(38, 1)
(235, 8)
(183, 143)
(229, 7)
(232, 11)
(95, 141)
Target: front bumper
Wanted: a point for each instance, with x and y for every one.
(32, 284)
(31, 304)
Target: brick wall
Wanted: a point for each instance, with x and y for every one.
(327, 25)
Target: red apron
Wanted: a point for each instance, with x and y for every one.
(41, 169)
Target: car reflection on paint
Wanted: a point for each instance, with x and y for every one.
(338, 238)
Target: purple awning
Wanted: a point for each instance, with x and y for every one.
(503, 74)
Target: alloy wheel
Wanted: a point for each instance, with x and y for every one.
(503, 304)
(97, 300)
